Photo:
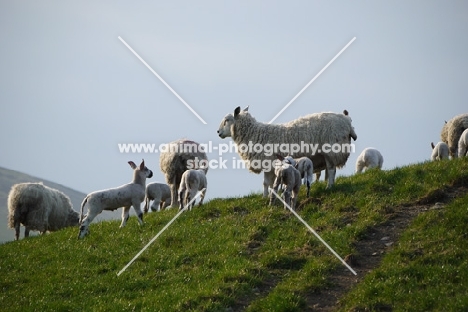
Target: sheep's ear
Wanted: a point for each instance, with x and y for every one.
(279, 157)
(246, 109)
(345, 112)
(132, 164)
(142, 165)
(432, 145)
(237, 111)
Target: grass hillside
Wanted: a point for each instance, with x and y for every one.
(404, 231)
(10, 177)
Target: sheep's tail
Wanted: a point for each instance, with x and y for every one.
(82, 206)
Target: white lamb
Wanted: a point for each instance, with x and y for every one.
(439, 151)
(39, 208)
(192, 181)
(126, 196)
(305, 167)
(322, 129)
(369, 158)
(160, 194)
(463, 144)
(287, 178)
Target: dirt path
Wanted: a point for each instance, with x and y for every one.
(371, 249)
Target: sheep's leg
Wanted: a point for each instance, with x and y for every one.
(268, 179)
(331, 171)
(308, 187)
(164, 204)
(276, 185)
(26, 231)
(156, 205)
(137, 207)
(145, 208)
(181, 199)
(287, 198)
(202, 196)
(84, 227)
(125, 215)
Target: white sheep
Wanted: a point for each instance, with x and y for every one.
(160, 194)
(305, 167)
(439, 151)
(369, 158)
(39, 208)
(192, 181)
(321, 129)
(126, 196)
(175, 158)
(451, 132)
(463, 144)
(287, 178)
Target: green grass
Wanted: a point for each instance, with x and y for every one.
(243, 254)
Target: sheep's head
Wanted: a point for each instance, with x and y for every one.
(141, 170)
(224, 130)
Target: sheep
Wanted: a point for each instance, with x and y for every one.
(369, 158)
(127, 195)
(463, 144)
(451, 132)
(439, 151)
(290, 178)
(160, 194)
(192, 181)
(305, 167)
(321, 129)
(39, 208)
(176, 158)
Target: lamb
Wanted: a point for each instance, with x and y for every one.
(290, 178)
(177, 157)
(439, 151)
(192, 181)
(451, 132)
(463, 144)
(160, 194)
(127, 195)
(321, 129)
(305, 167)
(39, 208)
(369, 158)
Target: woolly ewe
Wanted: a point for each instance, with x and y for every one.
(321, 128)
(451, 132)
(39, 208)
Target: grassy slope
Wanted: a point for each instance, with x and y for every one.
(240, 253)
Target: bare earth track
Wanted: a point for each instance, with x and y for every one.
(371, 249)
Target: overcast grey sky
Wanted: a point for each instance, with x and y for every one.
(71, 90)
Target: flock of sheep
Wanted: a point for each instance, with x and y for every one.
(41, 208)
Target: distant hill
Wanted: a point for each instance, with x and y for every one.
(10, 177)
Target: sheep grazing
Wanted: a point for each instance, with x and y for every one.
(321, 129)
(127, 195)
(305, 167)
(463, 144)
(288, 178)
(176, 158)
(369, 158)
(451, 132)
(192, 181)
(39, 208)
(160, 194)
(439, 151)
